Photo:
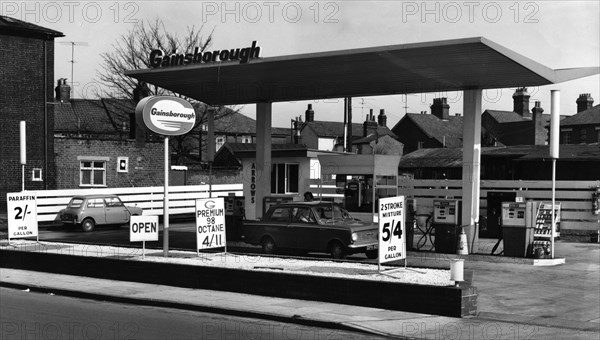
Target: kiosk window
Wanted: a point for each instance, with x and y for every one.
(284, 178)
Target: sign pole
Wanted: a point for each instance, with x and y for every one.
(23, 147)
(166, 202)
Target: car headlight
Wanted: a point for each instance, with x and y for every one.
(354, 237)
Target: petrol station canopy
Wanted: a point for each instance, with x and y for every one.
(450, 65)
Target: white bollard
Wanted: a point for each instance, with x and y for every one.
(457, 267)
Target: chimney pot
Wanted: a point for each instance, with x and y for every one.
(310, 114)
(521, 102)
(440, 108)
(584, 102)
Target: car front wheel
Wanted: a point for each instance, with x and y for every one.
(87, 225)
(372, 254)
(337, 250)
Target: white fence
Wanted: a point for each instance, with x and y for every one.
(575, 197)
(182, 199)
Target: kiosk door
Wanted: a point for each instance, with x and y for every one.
(494, 213)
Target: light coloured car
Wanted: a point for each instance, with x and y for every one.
(88, 211)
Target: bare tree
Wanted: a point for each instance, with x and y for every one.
(131, 51)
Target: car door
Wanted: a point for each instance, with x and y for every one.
(116, 213)
(94, 208)
(307, 233)
(278, 227)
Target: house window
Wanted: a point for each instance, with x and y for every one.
(598, 134)
(36, 175)
(582, 135)
(565, 137)
(92, 173)
(246, 139)
(219, 141)
(420, 145)
(284, 178)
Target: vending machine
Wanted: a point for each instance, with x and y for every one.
(517, 229)
(446, 219)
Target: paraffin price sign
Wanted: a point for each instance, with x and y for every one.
(22, 215)
(210, 223)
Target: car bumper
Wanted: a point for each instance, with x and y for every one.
(362, 247)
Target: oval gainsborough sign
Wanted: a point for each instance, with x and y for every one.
(166, 115)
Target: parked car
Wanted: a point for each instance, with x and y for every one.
(88, 211)
(312, 227)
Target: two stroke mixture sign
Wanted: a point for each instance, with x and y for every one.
(210, 223)
(392, 244)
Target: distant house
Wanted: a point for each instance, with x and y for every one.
(329, 136)
(436, 130)
(517, 127)
(519, 162)
(584, 126)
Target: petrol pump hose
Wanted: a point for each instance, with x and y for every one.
(497, 244)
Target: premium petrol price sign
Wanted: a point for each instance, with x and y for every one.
(210, 223)
(22, 215)
(392, 242)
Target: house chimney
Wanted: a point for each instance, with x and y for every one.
(370, 125)
(296, 131)
(584, 102)
(539, 131)
(521, 102)
(63, 91)
(440, 108)
(382, 118)
(310, 114)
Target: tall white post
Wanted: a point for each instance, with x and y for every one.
(166, 202)
(23, 147)
(263, 154)
(471, 165)
(554, 139)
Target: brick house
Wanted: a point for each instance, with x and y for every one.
(436, 130)
(27, 59)
(520, 126)
(329, 136)
(584, 126)
(95, 145)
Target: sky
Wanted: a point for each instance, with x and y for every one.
(557, 34)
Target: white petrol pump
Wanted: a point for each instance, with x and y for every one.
(516, 227)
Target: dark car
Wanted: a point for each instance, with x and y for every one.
(312, 227)
(88, 211)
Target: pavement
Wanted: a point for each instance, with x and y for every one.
(516, 300)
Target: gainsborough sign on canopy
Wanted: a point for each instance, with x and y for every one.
(450, 65)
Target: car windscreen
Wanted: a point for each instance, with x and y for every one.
(75, 203)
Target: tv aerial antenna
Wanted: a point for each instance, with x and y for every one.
(72, 61)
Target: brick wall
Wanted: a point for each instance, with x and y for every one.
(22, 98)
(146, 165)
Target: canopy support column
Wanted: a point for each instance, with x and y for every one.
(471, 165)
(263, 154)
